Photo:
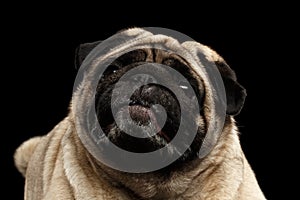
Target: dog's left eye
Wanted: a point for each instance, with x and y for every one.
(184, 85)
(187, 87)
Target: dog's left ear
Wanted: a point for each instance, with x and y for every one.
(235, 93)
(82, 51)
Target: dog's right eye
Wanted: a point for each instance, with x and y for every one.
(111, 69)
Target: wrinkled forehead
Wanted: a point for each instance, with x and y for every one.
(151, 55)
(160, 56)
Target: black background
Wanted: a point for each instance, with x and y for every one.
(38, 72)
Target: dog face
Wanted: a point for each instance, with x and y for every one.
(143, 99)
(142, 110)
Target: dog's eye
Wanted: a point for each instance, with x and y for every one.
(187, 88)
(184, 85)
(111, 69)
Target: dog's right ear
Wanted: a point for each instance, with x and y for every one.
(82, 51)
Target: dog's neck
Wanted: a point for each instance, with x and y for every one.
(156, 185)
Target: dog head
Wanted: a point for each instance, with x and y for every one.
(145, 116)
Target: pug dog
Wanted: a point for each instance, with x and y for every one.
(70, 163)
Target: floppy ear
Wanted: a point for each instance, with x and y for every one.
(235, 93)
(82, 51)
